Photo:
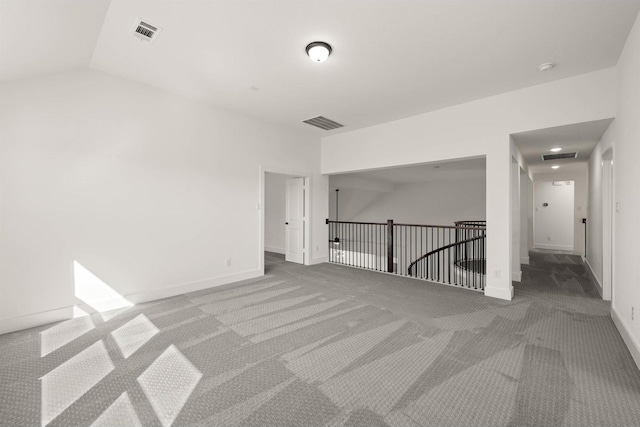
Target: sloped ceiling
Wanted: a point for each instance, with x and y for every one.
(48, 36)
(391, 59)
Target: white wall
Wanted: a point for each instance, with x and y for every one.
(149, 191)
(594, 218)
(516, 273)
(626, 292)
(430, 203)
(578, 173)
(519, 172)
(274, 212)
(524, 217)
(478, 128)
(530, 214)
(553, 223)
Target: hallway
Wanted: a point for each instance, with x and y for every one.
(577, 354)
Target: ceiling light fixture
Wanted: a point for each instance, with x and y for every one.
(546, 66)
(556, 149)
(555, 167)
(318, 51)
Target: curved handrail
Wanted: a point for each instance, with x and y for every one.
(482, 236)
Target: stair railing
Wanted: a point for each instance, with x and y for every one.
(468, 272)
(456, 252)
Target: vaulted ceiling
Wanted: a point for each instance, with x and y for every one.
(391, 59)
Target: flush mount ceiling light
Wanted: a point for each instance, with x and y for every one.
(556, 149)
(555, 167)
(546, 66)
(318, 51)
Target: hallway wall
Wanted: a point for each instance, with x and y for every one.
(594, 224)
(626, 295)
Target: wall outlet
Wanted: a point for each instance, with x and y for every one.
(496, 274)
(632, 313)
(227, 262)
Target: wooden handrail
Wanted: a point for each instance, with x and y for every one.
(472, 225)
(354, 222)
(449, 227)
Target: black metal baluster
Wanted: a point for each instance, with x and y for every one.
(473, 257)
(359, 240)
(414, 256)
(378, 248)
(407, 248)
(376, 230)
(349, 251)
(449, 256)
(366, 234)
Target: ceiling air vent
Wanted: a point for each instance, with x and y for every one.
(560, 156)
(323, 123)
(145, 31)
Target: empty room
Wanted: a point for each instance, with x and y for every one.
(319, 213)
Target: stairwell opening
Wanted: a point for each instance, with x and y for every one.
(424, 221)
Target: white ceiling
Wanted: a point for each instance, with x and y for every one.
(48, 36)
(580, 137)
(440, 171)
(391, 59)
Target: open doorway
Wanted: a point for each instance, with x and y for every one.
(607, 224)
(285, 225)
(554, 215)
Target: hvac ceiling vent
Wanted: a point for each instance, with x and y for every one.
(145, 31)
(560, 156)
(323, 123)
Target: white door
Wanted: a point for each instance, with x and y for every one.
(607, 224)
(294, 221)
(553, 215)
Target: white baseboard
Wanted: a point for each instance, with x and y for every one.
(506, 294)
(516, 276)
(599, 285)
(274, 249)
(171, 291)
(37, 319)
(19, 323)
(319, 260)
(524, 260)
(632, 344)
(554, 247)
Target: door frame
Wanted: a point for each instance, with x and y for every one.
(608, 234)
(263, 170)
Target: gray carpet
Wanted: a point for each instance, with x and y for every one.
(333, 346)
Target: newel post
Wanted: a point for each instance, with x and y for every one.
(390, 246)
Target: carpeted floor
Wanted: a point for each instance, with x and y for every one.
(333, 346)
